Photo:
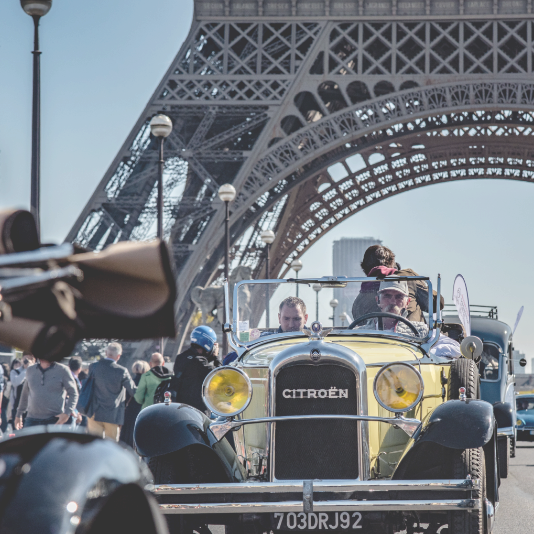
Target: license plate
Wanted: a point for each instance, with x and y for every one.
(532, 432)
(317, 521)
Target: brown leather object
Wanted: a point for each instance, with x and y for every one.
(18, 231)
(127, 292)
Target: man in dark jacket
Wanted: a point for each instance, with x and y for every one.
(111, 381)
(379, 261)
(193, 365)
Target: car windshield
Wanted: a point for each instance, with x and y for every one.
(525, 404)
(350, 306)
(490, 362)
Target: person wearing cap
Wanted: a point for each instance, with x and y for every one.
(394, 297)
(379, 261)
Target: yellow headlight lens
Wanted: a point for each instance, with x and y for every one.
(519, 422)
(227, 391)
(398, 387)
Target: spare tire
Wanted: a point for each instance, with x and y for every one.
(463, 373)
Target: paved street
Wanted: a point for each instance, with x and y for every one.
(516, 512)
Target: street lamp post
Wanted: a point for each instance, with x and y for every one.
(296, 265)
(334, 303)
(317, 288)
(36, 9)
(226, 194)
(267, 236)
(160, 127)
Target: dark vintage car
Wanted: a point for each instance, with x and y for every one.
(497, 379)
(525, 417)
(368, 428)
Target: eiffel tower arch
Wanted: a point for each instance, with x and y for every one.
(314, 110)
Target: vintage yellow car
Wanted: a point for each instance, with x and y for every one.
(373, 426)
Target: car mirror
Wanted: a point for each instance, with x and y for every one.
(471, 347)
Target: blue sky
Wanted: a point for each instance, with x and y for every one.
(101, 62)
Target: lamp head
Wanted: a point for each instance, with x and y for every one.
(36, 8)
(296, 265)
(334, 303)
(227, 192)
(317, 287)
(267, 236)
(160, 126)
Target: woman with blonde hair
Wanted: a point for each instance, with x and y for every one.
(139, 368)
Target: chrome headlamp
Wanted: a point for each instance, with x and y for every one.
(227, 391)
(398, 387)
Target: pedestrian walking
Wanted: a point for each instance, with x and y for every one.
(75, 366)
(139, 368)
(5, 397)
(149, 382)
(17, 377)
(49, 395)
(111, 382)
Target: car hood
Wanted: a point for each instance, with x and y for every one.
(528, 417)
(373, 350)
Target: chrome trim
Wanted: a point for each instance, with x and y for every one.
(415, 403)
(36, 257)
(322, 506)
(434, 326)
(211, 375)
(506, 431)
(229, 335)
(307, 495)
(490, 515)
(297, 486)
(330, 354)
(220, 429)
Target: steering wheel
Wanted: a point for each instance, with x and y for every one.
(380, 315)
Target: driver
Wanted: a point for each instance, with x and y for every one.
(394, 297)
(292, 317)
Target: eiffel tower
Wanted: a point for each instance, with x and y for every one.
(314, 110)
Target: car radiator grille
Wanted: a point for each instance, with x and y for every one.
(315, 449)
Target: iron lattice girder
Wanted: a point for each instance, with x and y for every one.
(391, 112)
(344, 10)
(404, 169)
(269, 103)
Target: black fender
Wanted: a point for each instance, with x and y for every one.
(454, 424)
(58, 481)
(504, 414)
(163, 429)
(458, 424)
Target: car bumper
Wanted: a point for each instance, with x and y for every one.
(316, 496)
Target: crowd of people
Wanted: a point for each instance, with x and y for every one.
(105, 398)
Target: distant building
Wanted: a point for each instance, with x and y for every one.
(347, 255)
(518, 370)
